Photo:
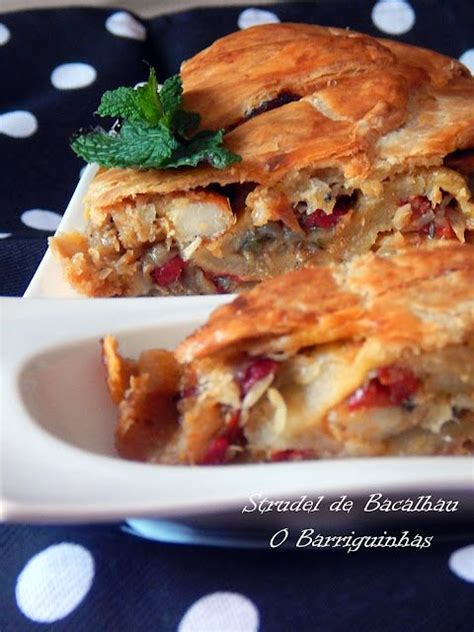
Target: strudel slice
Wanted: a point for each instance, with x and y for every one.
(370, 357)
(348, 144)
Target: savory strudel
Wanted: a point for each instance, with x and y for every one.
(370, 357)
(347, 144)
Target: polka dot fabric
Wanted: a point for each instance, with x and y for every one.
(75, 579)
(122, 24)
(54, 582)
(394, 17)
(254, 17)
(73, 76)
(96, 577)
(4, 34)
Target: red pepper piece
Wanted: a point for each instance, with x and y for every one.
(320, 219)
(169, 272)
(216, 452)
(234, 432)
(255, 372)
(400, 381)
(391, 387)
(419, 205)
(371, 394)
(290, 455)
(445, 232)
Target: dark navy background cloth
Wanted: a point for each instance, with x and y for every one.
(143, 586)
(54, 67)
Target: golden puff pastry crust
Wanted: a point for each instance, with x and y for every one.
(421, 298)
(361, 105)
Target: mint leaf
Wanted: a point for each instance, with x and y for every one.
(155, 131)
(121, 103)
(134, 104)
(149, 101)
(204, 146)
(170, 96)
(133, 145)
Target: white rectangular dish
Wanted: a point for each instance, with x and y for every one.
(57, 455)
(48, 280)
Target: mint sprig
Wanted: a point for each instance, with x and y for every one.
(131, 147)
(203, 146)
(155, 131)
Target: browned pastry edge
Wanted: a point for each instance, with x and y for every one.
(408, 107)
(369, 295)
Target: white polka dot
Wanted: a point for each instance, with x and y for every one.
(18, 124)
(40, 219)
(4, 235)
(4, 34)
(254, 17)
(467, 58)
(123, 24)
(461, 562)
(221, 612)
(393, 16)
(54, 582)
(73, 76)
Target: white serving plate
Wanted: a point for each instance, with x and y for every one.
(57, 454)
(48, 280)
(58, 462)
